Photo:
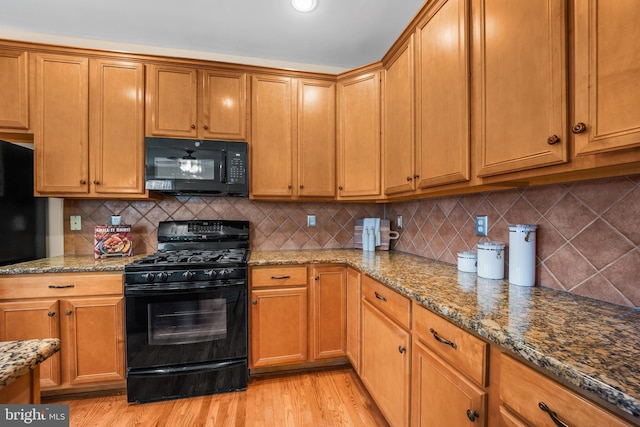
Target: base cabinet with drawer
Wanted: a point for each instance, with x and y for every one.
(386, 350)
(84, 310)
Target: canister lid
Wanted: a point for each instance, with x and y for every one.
(523, 228)
(491, 246)
(468, 254)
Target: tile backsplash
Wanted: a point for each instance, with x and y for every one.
(588, 232)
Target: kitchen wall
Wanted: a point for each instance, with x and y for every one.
(588, 233)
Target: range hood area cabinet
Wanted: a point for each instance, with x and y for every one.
(293, 138)
(88, 128)
(198, 103)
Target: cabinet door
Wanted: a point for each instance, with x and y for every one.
(14, 81)
(172, 101)
(385, 364)
(93, 332)
(223, 105)
(353, 317)
(329, 314)
(520, 57)
(359, 136)
(278, 326)
(441, 396)
(316, 138)
(61, 140)
(117, 126)
(35, 319)
(442, 95)
(607, 80)
(272, 140)
(399, 122)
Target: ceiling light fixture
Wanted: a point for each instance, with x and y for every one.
(304, 5)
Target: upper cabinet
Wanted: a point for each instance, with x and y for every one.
(187, 102)
(607, 76)
(520, 78)
(14, 81)
(89, 133)
(293, 138)
(359, 148)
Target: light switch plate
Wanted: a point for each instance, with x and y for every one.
(76, 223)
(482, 225)
(311, 221)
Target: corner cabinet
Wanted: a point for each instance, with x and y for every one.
(88, 113)
(520, 82)
(293, 138)
(15, 82)
(188, 102)
(84, 310)
(359, 140)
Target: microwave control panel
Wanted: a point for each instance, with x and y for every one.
(236, 167)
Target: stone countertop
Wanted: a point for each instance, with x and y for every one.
(18, 357)
(69, 264)
(587, 343)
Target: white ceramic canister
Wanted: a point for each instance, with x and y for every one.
(467, 261)
(522, 254)
(491, 260)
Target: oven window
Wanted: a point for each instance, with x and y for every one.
(186, 167)
(185, 322)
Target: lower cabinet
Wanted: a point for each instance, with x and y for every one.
(353, 317)
(84, 310)
(329, 312)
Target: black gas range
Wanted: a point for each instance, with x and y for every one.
(186, 312)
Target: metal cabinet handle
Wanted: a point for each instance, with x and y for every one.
(553, 140)
(280, 277)
(193, 126)
(254, 302)
(401, 349)
(51, 313)
(409, 179)
(68, 312)
(380, 297)
(83, 182)
(316, 278)
(61, 286)
(554, 417)
(96, 182)
(442, 340)
(416, 176)
(205, 127)
(340, 188)
(301, 186)
(472, 415)
(578, 128)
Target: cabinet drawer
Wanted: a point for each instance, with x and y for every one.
(387, 300)
(279, 276)
(58, 285)
(461, 349)
(522, 390)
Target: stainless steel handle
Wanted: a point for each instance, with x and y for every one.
(61, 286)
(380, 297)
(442, 340)
(280, 277)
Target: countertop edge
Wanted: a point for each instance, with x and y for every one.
(20, 356)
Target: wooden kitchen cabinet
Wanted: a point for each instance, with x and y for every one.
(84, 310)
(188, 102)
(89, 112)
(386, 355)
(359, 141)
(329, 312)
(520, 80)
(293, 138)
(15, 83)
(279, 316)
(353, 317)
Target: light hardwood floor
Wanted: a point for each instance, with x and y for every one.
(322, 398)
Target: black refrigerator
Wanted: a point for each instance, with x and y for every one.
(23, 217)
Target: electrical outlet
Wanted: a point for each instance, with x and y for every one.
(311, 221)
(482, 225)
(75, 222)
(399, 221)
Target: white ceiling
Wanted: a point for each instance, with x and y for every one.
(338, 35)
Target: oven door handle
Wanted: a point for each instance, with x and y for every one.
(187, 369)
(139, 290)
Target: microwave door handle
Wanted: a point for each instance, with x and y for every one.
(223, 167)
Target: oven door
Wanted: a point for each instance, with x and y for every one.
(201, 323)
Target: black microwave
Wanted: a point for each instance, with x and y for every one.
(188, 166)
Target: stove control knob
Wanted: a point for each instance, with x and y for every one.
(188, 275)
(223, 273)
(211, 274)
(163, 276)
(148, 277)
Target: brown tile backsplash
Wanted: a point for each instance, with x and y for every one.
(588, 237)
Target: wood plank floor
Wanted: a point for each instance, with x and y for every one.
(322, 398)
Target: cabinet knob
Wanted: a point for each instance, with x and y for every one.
(96, 182)
(289, 186)
(401, 349)
(205, 127)
(553, 140)
(301, 186)
(83, 182)
(340, 188)
(68, 312)
(254, 302)
(578, 128)
(51, 313)
(316, 278)
(193, 126)
(416, 176)
(409, 179)
(472, 415)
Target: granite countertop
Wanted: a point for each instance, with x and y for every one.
(589, 344)
(18, 357)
